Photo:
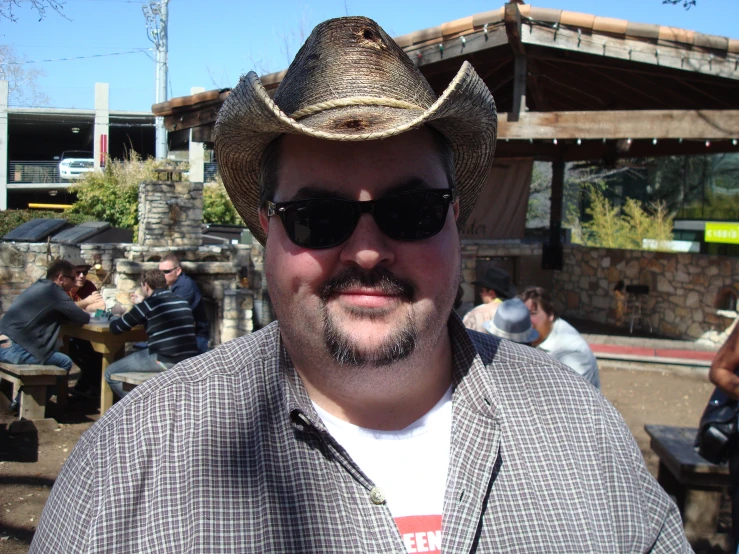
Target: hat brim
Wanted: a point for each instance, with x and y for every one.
(527, 337)
(250, 120)
(511, 292)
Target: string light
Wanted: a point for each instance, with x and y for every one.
(555, 141)
(734, 142)
(579, 142)
(654, 141)
(464, 41)
(708, 144)
(628, 141)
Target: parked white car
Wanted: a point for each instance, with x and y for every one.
(75, 163)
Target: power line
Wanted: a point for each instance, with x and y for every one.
(137, 51)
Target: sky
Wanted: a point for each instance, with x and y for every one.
(212, 43)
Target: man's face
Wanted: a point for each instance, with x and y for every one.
(487, 295)
(541, 321)
(171, 272)
(66, 280)
(373, 298)
(80, 275)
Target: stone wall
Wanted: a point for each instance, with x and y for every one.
(521, 260)
(170, 213)
(23, 263)
(683, 287)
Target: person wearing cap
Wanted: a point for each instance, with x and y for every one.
(558, 338)
(367, 414)
(512, 322)
(495, 286)
(84, 292)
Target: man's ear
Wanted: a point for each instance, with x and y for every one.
(456, 209)
(264, 221)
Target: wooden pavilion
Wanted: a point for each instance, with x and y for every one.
(568, 86)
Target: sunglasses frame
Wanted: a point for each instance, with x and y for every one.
(447, 195)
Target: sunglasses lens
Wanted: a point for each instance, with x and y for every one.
(412, 215)
(320, 223)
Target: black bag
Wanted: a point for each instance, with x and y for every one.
(718, 430)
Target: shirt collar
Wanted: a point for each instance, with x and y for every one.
(473, 388)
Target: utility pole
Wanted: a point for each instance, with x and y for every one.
(156, 27)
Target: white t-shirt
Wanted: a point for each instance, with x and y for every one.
(410, 466)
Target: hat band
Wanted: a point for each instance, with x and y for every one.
(354, 101)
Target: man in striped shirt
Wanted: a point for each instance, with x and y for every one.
(170, 328)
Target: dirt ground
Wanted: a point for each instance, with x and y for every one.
(29, 463)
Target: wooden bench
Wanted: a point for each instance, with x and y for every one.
(696, 484)
(134, 378)
(34, 379)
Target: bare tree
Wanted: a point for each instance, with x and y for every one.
(22, 82)
(8, 7)
(687, 4)
(295, 37)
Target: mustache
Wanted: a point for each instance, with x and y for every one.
(379, 279)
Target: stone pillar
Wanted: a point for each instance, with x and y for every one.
(171, 214)
(237, 319)
(102, 124)
(197, 152)
(3, 145)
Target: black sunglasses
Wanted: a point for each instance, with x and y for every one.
(168, 271)
(325, 222)
(82, 271)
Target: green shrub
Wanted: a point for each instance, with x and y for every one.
(217, 207)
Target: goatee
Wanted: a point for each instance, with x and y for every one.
(401, 344)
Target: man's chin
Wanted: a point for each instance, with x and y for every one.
(370, 341)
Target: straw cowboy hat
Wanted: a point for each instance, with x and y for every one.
(351, 82)
(512, 321)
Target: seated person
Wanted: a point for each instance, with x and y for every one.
(558, 338)
(30, 328)
(512, 321)
(170, 328)
(84, 293)
(494, 287)
(186, 288)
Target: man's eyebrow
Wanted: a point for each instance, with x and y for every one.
(415, 183)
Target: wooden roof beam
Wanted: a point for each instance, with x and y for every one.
(634, 124)
(512, 19)
(641, 51)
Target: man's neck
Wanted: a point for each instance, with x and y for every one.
(385, 398)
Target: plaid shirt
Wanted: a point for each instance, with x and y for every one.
(225, 453)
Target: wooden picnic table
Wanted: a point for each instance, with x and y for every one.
(106, 343)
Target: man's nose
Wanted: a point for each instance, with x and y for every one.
(368, 246)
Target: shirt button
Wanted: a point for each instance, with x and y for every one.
(377, 495)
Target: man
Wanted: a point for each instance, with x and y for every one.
(366, 415)
(170, 330)
(30, 328)
(186, 288)
(558, 338)
(512, 321)
(84, 293)
(494, 287)
(723, 375)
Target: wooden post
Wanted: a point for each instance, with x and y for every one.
(552, 251)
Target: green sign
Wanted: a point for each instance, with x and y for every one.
(727, 233)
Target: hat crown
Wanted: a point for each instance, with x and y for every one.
(512, 316)
(350, 57)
